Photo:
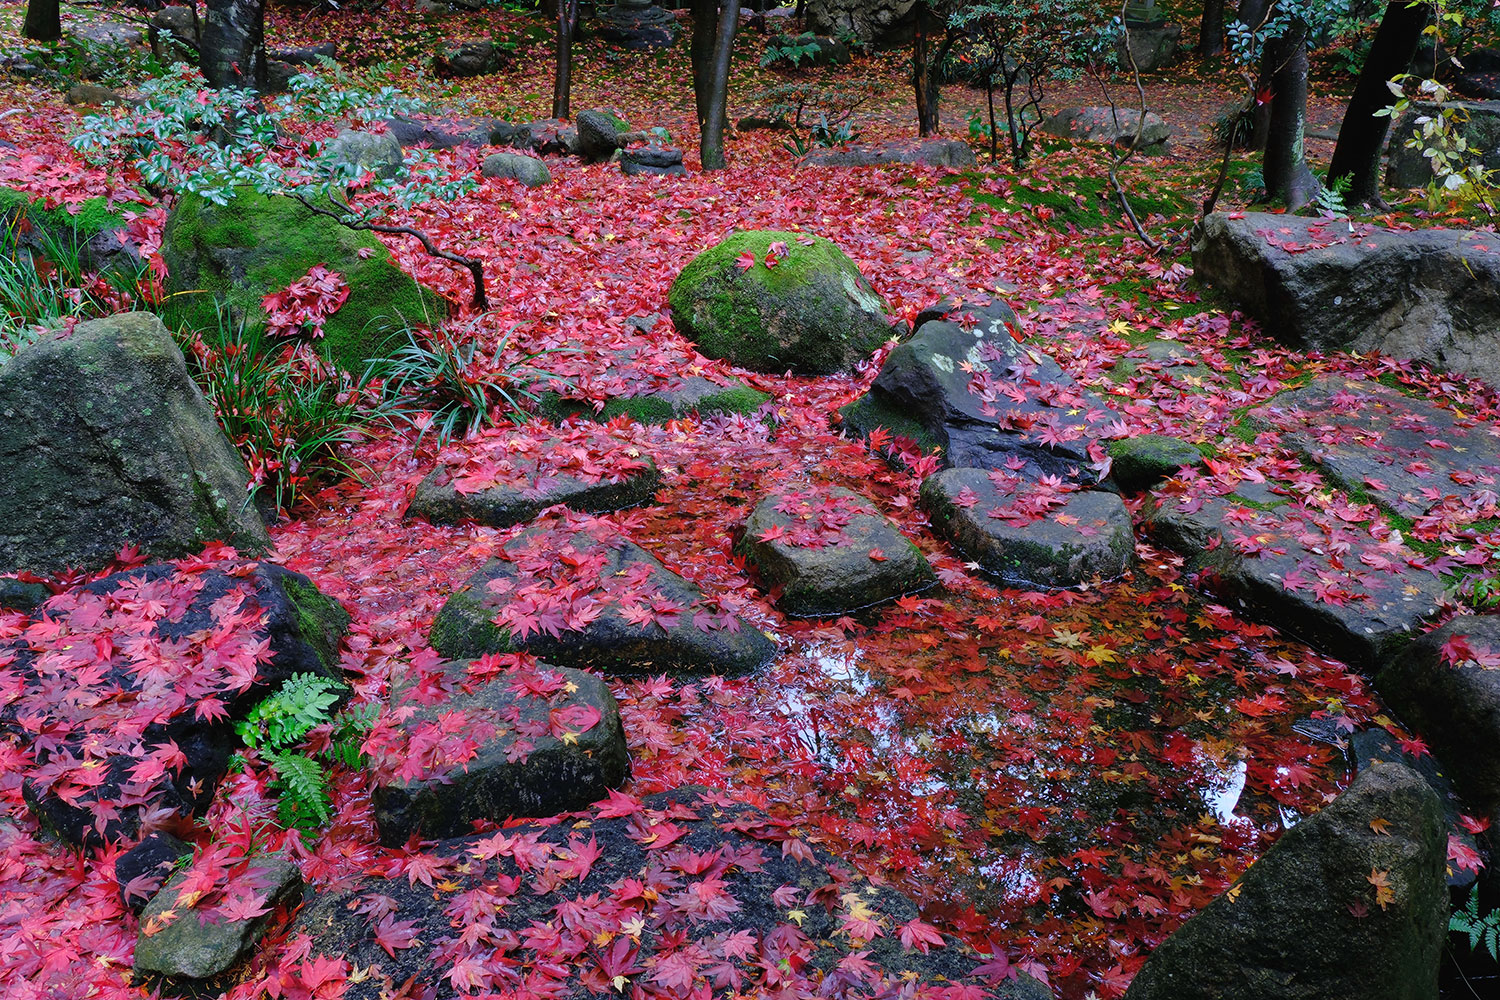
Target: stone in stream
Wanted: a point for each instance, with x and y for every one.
(1405, 452)
(1429, 294)
(968, 388)
(1350, 902)
(692, 862)
(625, 613)
(504, 478)
(1137, 463)
(990, 518)
(187, 941)
(1358, 602)
(549, 740)
(830, 552)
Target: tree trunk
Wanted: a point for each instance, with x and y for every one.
(924, 72)
(705, 39)
(43, 21)
(1211, 35)
(1286, 172)
(562, 85)
(1251, 13)
(1362, 134)
(232, 50)
(711, 149)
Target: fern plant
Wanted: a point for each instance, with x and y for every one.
(278, 725)
(1483, 929)
(1331, 197)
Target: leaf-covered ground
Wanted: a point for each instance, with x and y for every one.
(1059, 778)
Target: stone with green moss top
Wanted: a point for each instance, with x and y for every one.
(1144, 460)
(693, 394)
(258, 244)
(93, 227)
(813, 313)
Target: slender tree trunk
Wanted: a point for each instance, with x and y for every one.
(711, 149)
(1362, 134)
(926, 70)
(1211, 35)
(705, 38)
(43, 21)
(232, 50)
(1286, 172)
(562, 87)
(1251, 14)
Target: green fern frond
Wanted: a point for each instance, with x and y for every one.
(303, 787)
(283, 719)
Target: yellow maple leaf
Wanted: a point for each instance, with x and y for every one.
(1384, 894)
(1381, 826)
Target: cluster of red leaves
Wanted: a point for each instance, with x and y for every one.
(301, 308)
(818, 518)
(534, 461)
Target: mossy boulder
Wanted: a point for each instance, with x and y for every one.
(258, 244)
(105, 441)
(812, 312)
(1144, 460)
(95, 228)
(693, 394)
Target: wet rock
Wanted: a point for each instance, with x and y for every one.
(202, 942)
(746, 864)
(652, 160)
(22, 596)
(520, 477)
(1334, 909)
(812, 312)
(984, 400)
(358, 151)
(528, 170)
(106, 441)
(550, 741)
(1087, 537)
(1139, 462)
(830, 552)
(1429, 294)
(1358, 610)
(1112, 126)
(950, 153)
(627, 632)
(1452, 700)
(145, 868)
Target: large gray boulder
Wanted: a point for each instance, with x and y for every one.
(599, 133)
(201, 941)
(105, 441)
(952, 153)
(968, 388)
(1112, 126)
(809, 310)
(1348, 903)
(357, 151)
(1406, 167)
(550, 741)
(830, 552)
(1446, 686)
(528, 170)
(1430, 294)
(877, 21)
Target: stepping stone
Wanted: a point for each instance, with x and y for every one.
(509, 478)
(693, 862)
(1359, 606)
(204, 939)
(584, 596)
(1405, 453)
(997, 521)
(830, 552)
(535, 741)
(677, 398)
(1140, 462)
(966, 387)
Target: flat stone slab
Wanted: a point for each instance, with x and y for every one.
(508, 478)
(535, 741)
(581, 595)
(1141, 461)
(1003, 522)
(830, 552)
(1408, 454)
(1428, 294)
(968, 388)
(686, 875)
(1358, 600)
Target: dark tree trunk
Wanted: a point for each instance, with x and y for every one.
(1251, 13)
(1362, 134)
(232, 50)
(924, 72)
(705, 37)
(43, 21)
(1211, 35)
(715, 108)
(1286, 172)
(562, 85)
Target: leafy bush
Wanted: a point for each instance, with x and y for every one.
(791, 50)
(834, 103)
(279, 723)
(290, 414)
(75, 60)
(1458, 170)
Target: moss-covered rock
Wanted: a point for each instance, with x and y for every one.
(95, 229)
(1143, 460)
(812, 313)
(105, 441)
(258, 244)
(695, 394)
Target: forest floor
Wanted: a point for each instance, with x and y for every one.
(1060, 778)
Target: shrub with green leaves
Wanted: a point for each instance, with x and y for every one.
(277, 726)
